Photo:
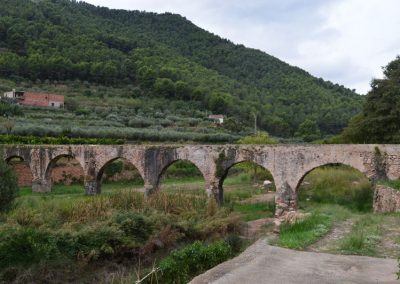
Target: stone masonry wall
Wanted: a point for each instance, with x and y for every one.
(386, 199)
(23, 173)
(63, 173)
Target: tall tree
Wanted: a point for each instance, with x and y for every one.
(379, 121)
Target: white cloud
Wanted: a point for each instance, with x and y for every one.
(345, 41)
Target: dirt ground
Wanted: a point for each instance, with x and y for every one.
(387, 247)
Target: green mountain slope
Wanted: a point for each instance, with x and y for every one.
(165, 56)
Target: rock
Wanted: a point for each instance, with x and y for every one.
(386, 199)
(267, 185)
(294, 216)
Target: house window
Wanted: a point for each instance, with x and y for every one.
(52, 104)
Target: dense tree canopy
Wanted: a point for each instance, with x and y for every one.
(165, 55)
(379, 121)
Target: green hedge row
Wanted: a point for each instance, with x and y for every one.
(15, 139)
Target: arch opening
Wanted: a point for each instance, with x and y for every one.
(66, 175)
(119, 174)
(181, 175)
(336, 184)
(250, 189)
(22, 171)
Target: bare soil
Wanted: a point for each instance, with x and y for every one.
(328, 242)
(390, 243)
(387, 247)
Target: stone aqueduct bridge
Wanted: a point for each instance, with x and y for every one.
(288, 164)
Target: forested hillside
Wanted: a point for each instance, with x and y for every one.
(158, 59)
(379, 120)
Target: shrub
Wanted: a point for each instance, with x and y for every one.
(8, 185)
(20, 245)
(134, 225)
(235, 242)
(192, 260)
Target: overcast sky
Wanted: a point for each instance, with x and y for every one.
(344, 41)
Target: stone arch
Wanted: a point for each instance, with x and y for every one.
(52, 164)
(100, 172)
(167, 165)
(226, 169)
(22, 170)
(7, 159)
(304, 173)
(362, 183)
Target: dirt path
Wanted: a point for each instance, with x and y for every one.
(259, 198)
(262, 263)
(254, 229)
(330, 240)
(389, 246)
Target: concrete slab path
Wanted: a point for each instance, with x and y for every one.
(262, 263)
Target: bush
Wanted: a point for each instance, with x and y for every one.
(192, 260)
(235, 242)
(8, 185)
(134, 225)
(20, 245)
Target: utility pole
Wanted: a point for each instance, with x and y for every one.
(255, 123)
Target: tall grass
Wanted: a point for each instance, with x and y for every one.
(254, 211)
(363, 237)
(41, 230)
(341, 185)
(395, 184)
(304, 232)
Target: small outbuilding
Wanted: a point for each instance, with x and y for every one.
(216, 118)
(36, 99)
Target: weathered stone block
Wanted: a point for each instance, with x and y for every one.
(386, 199)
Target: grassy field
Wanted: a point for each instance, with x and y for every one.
(47, 236)
(69, 233)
